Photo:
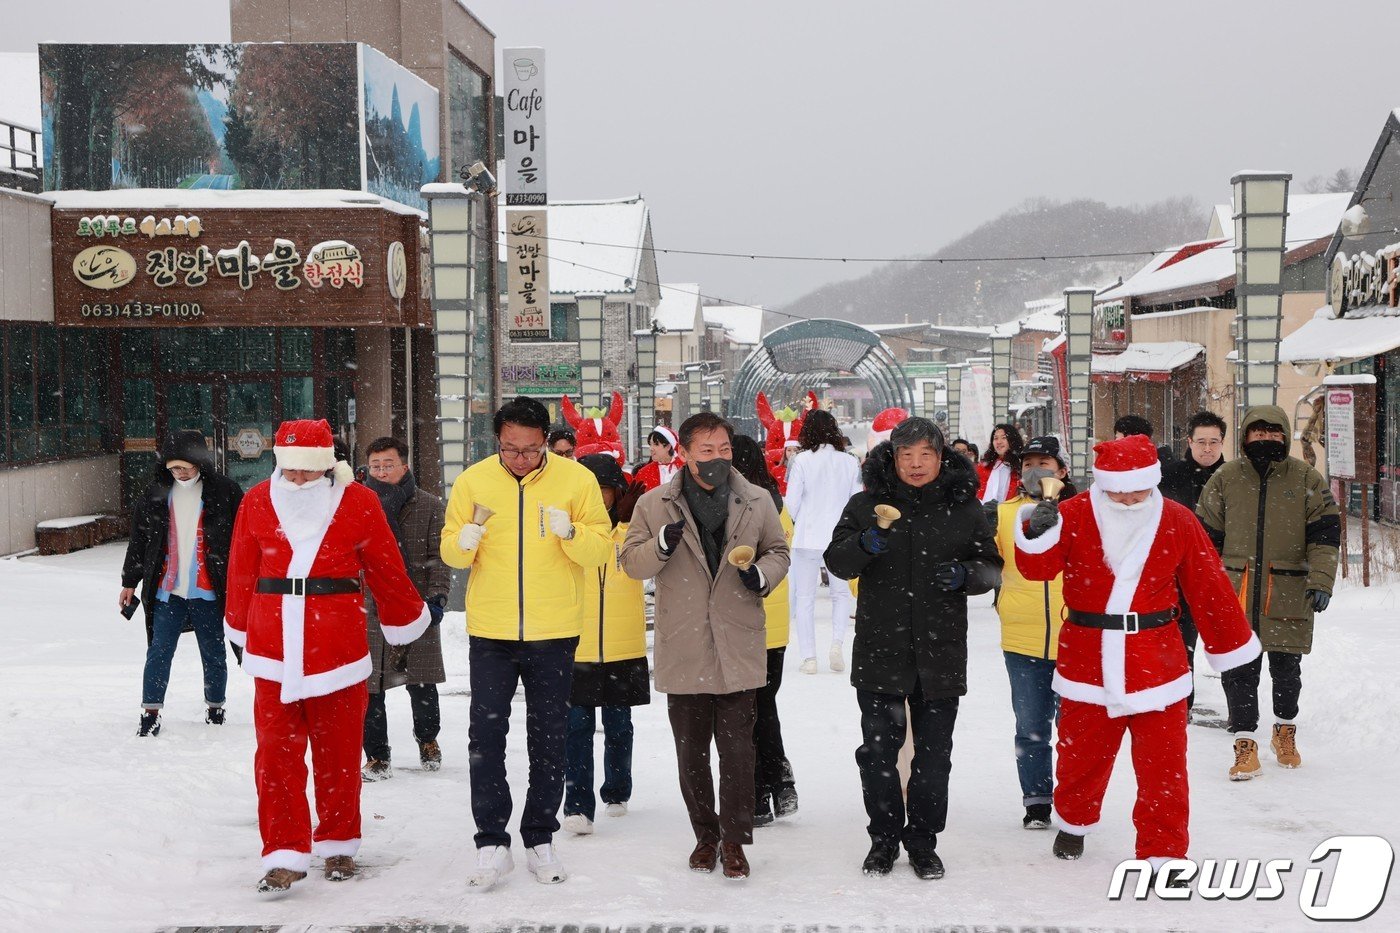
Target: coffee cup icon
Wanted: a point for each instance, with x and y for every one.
(525, 68)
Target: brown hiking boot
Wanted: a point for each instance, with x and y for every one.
(1246, 764)
(703, 857)
(430, 754)
(279, 881)
(340, 868)
(1285, 746)
(731, 855)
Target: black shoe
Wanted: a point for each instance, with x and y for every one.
(881, 858)
(785, 802)
(214, 716)
(762, 812)
(1037, 816)
(926, 864)
(1068, 846)
(150, 723)
(1174, 880)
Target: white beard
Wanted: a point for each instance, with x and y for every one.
(304, 511)
(1121, 527)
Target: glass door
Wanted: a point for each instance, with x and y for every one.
(247, 423)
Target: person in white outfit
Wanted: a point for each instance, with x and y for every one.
(820, 481)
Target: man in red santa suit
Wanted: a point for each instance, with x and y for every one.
(302, 543)
(1124, 550)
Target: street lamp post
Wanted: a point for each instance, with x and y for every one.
(450, 231)
(930, 399)
(1079, 358)
(1261, 220)
(1001, 376)
(590, 348)
(646, 383)
(695, 388)
(953, 394)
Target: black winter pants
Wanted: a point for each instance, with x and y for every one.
(1242, 689)
(1189, 635)
(771, 769)
(427, 719)
(883, 724)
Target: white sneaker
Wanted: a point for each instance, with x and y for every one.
(492, 864)
(617, 809)
(837, 662)
(809, 666)
(544, 862)
(578, 824)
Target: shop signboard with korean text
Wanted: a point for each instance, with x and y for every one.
(216, 267)
(525, 181)
(540, 379)
(527, 275)
(1351, 431)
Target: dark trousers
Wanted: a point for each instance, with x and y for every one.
(883, 724)
(578, 759)
(496, 667)
(1188, 636)
(1034, 702)
(427, 719)
(1242, 689)
(207, 617)
(727, 720)
(772, 773)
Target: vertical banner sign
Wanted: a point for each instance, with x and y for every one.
(1341, 432)
(527, 275)
(524, 180)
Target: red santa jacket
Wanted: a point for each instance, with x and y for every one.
(1146, 670)
(649, 475)
(315, 645)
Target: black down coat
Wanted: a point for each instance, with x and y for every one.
(150, 523)
(908, 628)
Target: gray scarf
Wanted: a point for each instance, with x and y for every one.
(711, 511)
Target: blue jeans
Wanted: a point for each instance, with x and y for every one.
(578, 759)
(207, 617)
(1035, 705)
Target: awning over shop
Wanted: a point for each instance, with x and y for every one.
(1145, 362)
(1363, 333)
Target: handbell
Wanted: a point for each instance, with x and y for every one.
(886, 515)
(480, 514)
(742, 556)
(1050, 487)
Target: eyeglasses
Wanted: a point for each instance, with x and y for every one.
(382, 467)
(517, 453)
(183, 469)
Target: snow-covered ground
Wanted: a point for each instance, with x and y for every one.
(102, 830)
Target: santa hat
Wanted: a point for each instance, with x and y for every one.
(883, 425)
(1128, 464)
(668, 434)
(791, 442)
(309, 445)
(607, 450)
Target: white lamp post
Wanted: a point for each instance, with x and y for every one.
(954, 396)
(695, 389)
(1079, 358)
(646, 382)
(450, 225)
(1261, 222)
(590, 348)
(1001, 377)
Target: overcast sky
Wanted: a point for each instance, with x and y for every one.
(876, 128)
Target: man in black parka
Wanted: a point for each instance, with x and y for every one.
(911, 629)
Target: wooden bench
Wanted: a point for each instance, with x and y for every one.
(65, 535)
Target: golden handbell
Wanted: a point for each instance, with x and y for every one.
(480, 514)
(886, 515)
(742, 556)
(1050, 487)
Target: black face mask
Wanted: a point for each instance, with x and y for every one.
(1263, 453)
(713, 472)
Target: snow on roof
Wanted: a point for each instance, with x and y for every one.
(679, 307)
(1180, 312)
(1148, 357)
(1048, 319)
(19, 89)
(743, 323)
(1363, 333)
(962, 329)
(594, 246)
(184, 199)
(896, 328)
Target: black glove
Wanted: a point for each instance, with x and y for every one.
(398, 658)
(950, 576)
(1319, 600)
(1043, 518)
(436, 607)
(671, 535)
(237, 653)
(875, 540)
(751, 577)
(989, 509)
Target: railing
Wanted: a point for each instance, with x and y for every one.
(19, 152)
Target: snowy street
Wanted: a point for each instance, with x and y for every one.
(107, 831)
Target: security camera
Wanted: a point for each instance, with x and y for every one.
(478, 178)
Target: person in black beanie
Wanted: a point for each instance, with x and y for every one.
(180, 533)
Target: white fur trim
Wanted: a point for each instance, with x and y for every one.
(1061, 823)
(344, 473)
(1148, 477)
(1151, 700)
(234, 635)
(876, 437)
(1228, 660)
(1157, 861)
(1039, 545)
(312, 685)
(255, 665)
(305, 530)
(304, 458)
(668, 434)
(326, 848)
(287, 858)
(404, 634)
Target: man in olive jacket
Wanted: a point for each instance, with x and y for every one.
(1276, 525)
(711, 650)
(911, 629)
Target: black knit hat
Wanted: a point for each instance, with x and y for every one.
(606, 469)
(190, 447)
(1045, 446)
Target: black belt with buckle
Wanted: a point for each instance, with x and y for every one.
(1130, 622)
(308, 586)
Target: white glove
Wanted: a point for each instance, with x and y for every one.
(470, 537)
(560, 523)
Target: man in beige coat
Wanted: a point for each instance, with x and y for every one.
(710, 650)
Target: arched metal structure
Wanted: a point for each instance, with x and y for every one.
(801, 355)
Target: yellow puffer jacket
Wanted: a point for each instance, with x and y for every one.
(775, 604)
(613, 611)
(526, 583)
(1031, 611)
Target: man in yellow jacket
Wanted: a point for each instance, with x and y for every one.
(528, 525)
(1031, 612)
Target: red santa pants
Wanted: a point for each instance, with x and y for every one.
(334, 725)
(1087, 746)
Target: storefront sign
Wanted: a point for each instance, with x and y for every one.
(1351, 428)
(1364, 280)
(524, 179)
(247, 267)
(1110, 327)
(527, 275)
(250, 443)
(540, 378)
